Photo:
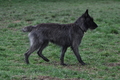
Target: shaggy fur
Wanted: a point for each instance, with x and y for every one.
(64, 35)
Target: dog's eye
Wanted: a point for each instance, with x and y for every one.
(88, 19)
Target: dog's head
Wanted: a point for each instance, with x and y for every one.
(28, 28)
(86, 22)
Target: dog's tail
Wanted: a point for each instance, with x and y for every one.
(28, 28)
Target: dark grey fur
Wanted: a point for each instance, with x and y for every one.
(64, 35)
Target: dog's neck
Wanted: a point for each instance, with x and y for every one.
(82, 29)
(81, 25)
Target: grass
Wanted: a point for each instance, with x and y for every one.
(100, 48)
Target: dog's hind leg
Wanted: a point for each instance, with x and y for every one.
(40, 51)
(63, 50)
(34, 45)
(76, 52)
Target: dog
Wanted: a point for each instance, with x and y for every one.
(64, 35)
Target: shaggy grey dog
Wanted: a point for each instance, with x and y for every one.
(64, 35)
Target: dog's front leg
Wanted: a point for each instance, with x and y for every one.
(63, 50)
(76, 52)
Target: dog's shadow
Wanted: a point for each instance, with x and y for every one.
(56, 63)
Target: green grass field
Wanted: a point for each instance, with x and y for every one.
(100, 48)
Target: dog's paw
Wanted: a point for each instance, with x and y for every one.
(83, 63)
(47, 60)
(63, 64)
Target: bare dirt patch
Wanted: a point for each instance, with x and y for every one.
(51, 78)
(16, 21)
(114, 64)
(42, 78)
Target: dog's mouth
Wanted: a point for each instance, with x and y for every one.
(92, 29)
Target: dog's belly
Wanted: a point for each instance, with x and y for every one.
(61, 42)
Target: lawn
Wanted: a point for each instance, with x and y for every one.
(100, 48)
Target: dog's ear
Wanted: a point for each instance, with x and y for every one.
(85, 14)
